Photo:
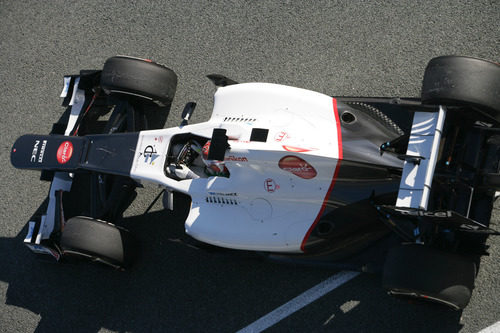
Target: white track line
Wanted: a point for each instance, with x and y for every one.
(299, 302)
(495, 328)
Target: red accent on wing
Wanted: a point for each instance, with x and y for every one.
(335, 174)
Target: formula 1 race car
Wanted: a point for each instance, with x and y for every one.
(281, 170)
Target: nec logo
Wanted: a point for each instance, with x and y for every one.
(297, 166)
(35, 151)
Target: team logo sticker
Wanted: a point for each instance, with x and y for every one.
(297, 166)
(150, 155)
(64, 152)
(270, 185)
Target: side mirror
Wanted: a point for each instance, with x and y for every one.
(187, 113)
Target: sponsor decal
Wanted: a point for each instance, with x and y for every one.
(35, 151)
(236, 158)
(233, 194)
(159, 139)
(423, 213)
(270, 185)
(297, 166)
(281, 136)
(64, 152)
(42, 151)
(150, 154)
(297, 149)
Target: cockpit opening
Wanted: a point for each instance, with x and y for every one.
(188, 158)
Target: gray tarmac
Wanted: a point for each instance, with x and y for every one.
(357, 48)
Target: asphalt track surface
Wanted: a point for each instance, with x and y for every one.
(335, 47)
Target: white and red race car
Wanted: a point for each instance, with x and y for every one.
(281, 170)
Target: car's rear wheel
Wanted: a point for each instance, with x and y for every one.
(87, 238)
(463, 81)
(139, 77)
(418, 271)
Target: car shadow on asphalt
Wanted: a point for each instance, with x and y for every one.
(361, 305)
(177, 286)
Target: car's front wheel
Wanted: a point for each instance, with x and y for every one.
(95, 240)
(139, 77)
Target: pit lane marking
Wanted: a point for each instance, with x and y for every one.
(495, 328)
(299, 302)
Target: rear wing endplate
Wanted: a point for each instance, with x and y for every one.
(420, 159)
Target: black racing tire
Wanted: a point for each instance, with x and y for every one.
(463, 81)
(139, 77)
(418, 271)
(84, 237)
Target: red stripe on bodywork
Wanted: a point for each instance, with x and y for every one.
(339, 132)
(334, 178)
